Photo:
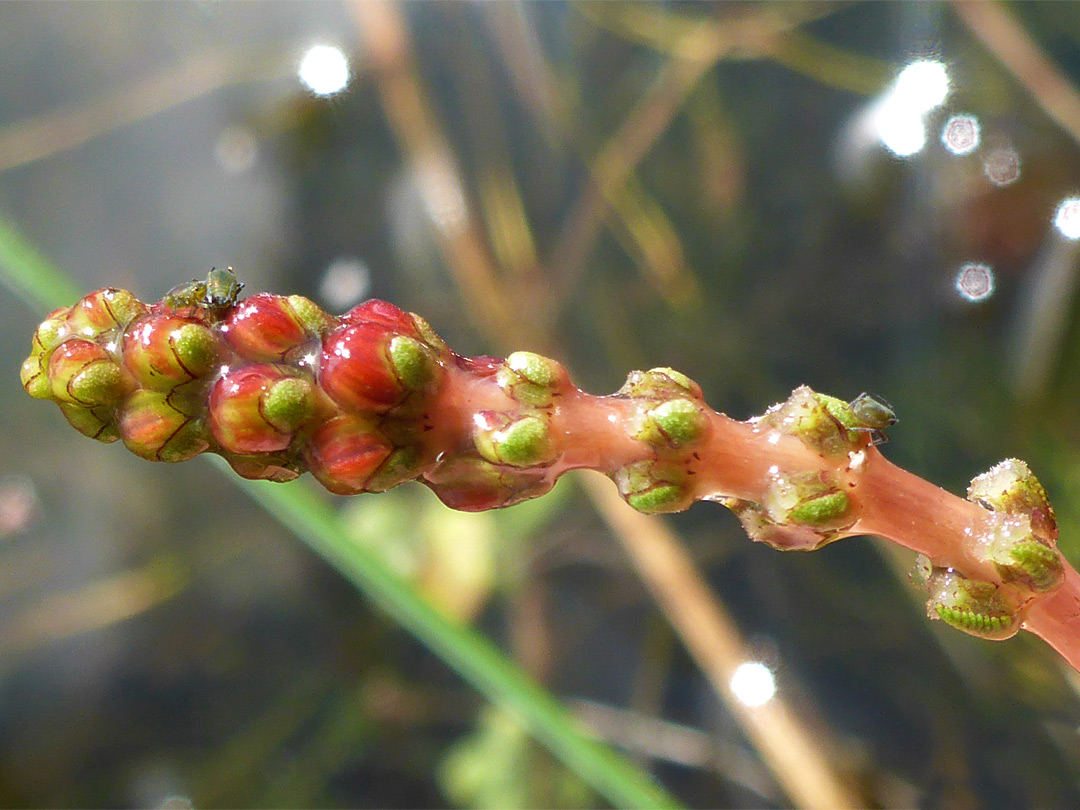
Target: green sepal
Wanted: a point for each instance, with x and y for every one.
(525, 442)
(97, 423)
(98, 383)
(404, 464)
(288, 403)
(761, 528)
(821, 511)
(529, 378)
(196, 348)
(674, 423)
(1033, 564)
(412, 363)
(659, 383)
(972, 606)
(654, 486)
(310, 315)
(34, 379)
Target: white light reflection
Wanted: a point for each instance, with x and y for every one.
(921, 86)
(961, 134)
(1067, 218)
(324, 69)
(975, 282)
(901, 129)
(753, 683)
(1002, 166)
(899, 116)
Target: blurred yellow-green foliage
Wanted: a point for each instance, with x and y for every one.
(739, 190)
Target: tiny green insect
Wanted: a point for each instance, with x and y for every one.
(873, 415)
(185, 296)
(222, 289)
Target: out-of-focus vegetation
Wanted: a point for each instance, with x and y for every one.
(741, 191)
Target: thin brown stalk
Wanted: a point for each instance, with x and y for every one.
(57, 131)
(1000, 33)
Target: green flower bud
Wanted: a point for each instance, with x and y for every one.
(654, 486)
(1011, 487)
(154, 429)
(763, 529)
(531, 378)
(675, 423)
(808, 499)
(164, 351)
(659, 383)
(83, 373)
(97, 423)
(978, 608)
(525, 442)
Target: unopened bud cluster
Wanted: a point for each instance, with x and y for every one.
(272, 383)
(373, 398)
(806, 510)
(364, 401)
(1019, 541)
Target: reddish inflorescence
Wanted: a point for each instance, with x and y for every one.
(278, 387)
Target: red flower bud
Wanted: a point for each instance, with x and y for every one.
(267, 327)
(164, 351)
(262, 468)
(153, 428)
(97, 423)
(343, 453)
(385, 314)
(476, 485)
(84, 373)
(104, 310)
(257, 409)
(355, 369)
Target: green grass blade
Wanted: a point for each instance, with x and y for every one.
(40, 284)
(30, 275)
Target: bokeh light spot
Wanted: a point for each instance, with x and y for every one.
(1002, 166)
(236, 150)
(1067, 219)
(975, 282)
(753, 683)
(961, 134)
(324, 69)
(346, 280)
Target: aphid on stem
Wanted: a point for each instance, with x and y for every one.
(873, 415)
(219, 292)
